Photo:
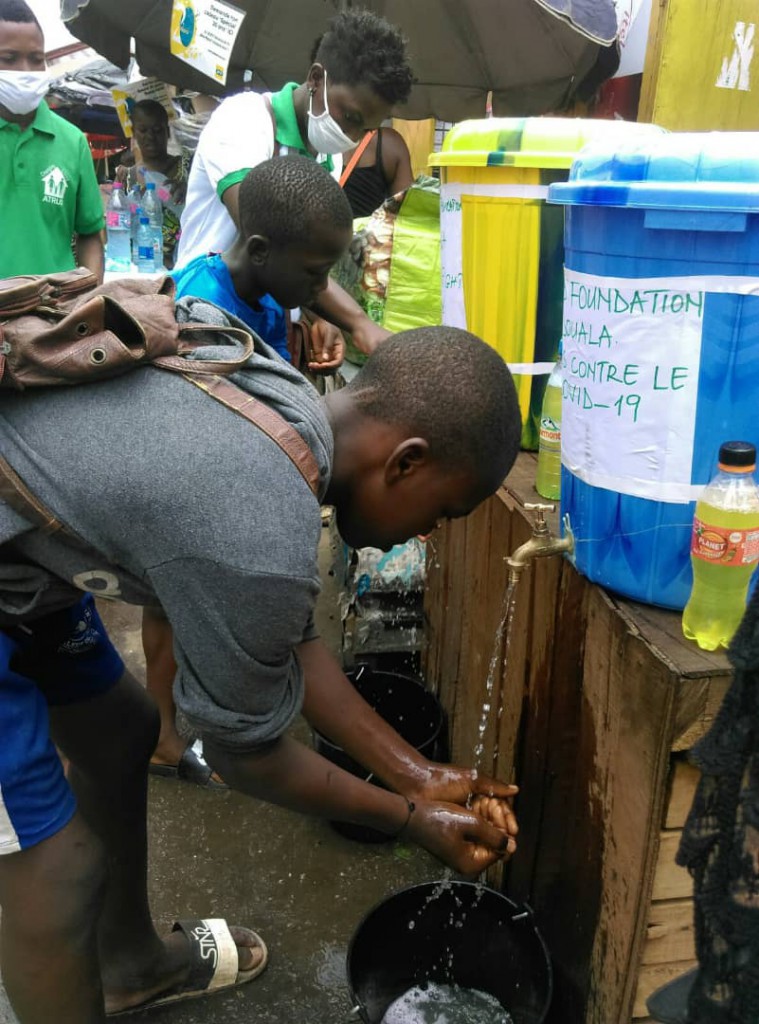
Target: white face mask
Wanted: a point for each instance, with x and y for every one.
(324, 133)
(21, 92)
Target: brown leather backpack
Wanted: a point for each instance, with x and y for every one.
(60, 329)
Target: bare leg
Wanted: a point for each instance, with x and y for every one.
(160, 669)
(84, 890)
(109, 746)
(157, 642)
(51, 896)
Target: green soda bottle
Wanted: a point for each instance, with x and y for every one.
(724, 548)
(548, 478)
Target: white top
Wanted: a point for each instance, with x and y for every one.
(239, 135)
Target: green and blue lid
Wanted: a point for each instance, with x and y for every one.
(695, 171)
(549, 142)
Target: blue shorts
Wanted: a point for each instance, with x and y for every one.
(61, 658)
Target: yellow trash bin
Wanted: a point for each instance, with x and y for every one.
(502, 245)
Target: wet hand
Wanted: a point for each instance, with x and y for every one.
(327, 347)
(497, 811)
(462, 839)
(458, 785)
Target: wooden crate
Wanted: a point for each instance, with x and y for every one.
(600, 698)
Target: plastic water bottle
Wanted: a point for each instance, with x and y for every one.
(134, 196)
(548, 479)
(145, 247)
(118, 250)
(152, 208)
(724, 548)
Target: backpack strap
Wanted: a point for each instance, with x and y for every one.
(15, 493)
(267, 420)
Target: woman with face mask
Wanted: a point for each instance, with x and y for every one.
(347, 92)
(49, 191)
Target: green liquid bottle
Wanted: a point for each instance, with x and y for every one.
(724, 549)
(548, 479)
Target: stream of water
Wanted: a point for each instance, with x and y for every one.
(498, 661)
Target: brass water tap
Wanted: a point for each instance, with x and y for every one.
(542, 542)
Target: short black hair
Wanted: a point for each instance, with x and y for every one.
(18, 12)
(150, 107)
(360, 48)
(284, 197)
(447, 386)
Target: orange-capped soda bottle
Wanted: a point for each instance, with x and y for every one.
(724, 548)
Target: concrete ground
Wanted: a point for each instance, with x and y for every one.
(293, 879)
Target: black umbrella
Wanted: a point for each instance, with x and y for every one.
(533, 55)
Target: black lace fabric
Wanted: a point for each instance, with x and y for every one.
(720, 846)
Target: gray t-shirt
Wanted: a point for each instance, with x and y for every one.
(182, 503)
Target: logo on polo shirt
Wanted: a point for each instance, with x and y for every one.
(54, 185)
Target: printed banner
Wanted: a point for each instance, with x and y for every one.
(203, 33)
(631, 361)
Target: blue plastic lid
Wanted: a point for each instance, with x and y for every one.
(699, 171)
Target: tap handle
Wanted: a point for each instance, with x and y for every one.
(539, 509)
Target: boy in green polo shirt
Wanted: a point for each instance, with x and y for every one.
(50, 193)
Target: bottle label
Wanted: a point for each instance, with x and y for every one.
(723, 545)
(113, 219)
(550, 435)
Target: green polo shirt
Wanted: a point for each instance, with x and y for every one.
(49, 192)
(287, 135)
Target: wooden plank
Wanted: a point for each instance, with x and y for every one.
(663, 631)
(437, 581)
(632, 701)
(670, 933)
(698, 701)
(671, 882)
(549, 730)
(478, 616)
(656, 31)
(510, 675)
(683, 781)
(449, 641)
(653, 976)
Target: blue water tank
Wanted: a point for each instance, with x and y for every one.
(661, 346)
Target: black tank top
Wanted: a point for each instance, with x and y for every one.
(366, 188)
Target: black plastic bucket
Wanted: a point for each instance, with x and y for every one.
(412, 711)
(450, 933)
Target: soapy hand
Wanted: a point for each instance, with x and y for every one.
(497, 811)
(463, 817)
(457, 785)
(462, 839)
